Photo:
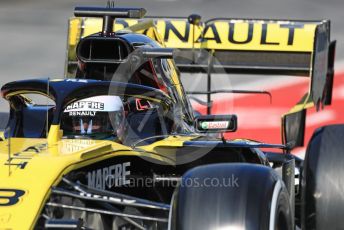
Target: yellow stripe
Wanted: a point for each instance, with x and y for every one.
(223, 35)
(274, 38)
(74, 31)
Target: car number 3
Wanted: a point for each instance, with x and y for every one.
(9, 197)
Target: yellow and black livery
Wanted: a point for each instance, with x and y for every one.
(162, 174)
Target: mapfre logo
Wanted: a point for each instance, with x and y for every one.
(9, 197)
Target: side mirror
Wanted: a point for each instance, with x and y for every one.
(293, 126)
(216, 123)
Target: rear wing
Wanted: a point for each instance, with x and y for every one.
(284, 47)
(240, 45)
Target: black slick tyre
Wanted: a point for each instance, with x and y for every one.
(238, 196)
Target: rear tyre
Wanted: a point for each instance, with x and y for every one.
(221, 196)
(323, 180)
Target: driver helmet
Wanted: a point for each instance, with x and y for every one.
(94, 116)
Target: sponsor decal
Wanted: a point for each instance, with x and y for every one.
(227, 34)
(89, 106)
(21, 159)
(82, 113)
(75, 145)
(85, 106)
(5, 218)
(214, 125)
(76, 80)
(108, 177)
(142, 105)
(113, 199)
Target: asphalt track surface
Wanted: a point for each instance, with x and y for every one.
(33, 41)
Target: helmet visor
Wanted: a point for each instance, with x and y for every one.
(94, 115)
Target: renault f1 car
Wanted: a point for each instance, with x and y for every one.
(116, 143)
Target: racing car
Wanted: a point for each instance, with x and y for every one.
(116, 144)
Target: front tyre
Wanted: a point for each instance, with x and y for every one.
(257, 199)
